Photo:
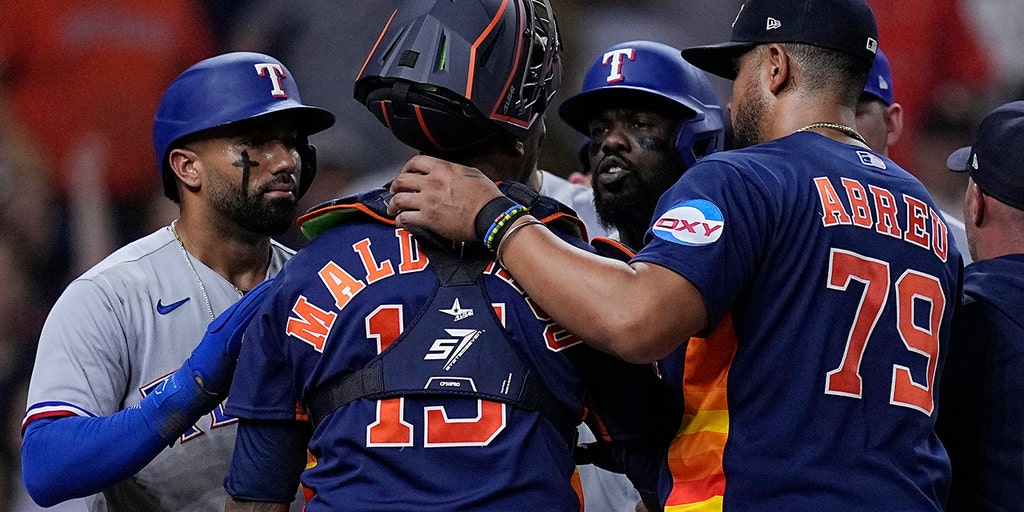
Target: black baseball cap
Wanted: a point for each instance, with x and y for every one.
(846, 26)
(996, 159)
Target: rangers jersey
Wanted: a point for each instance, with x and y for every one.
(114, 334)
(830, 280)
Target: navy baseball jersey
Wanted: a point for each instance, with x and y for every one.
(451, 442)
(830, 281)
(981, 411)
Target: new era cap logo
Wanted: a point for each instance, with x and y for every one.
(882, 84)
(773, 24)
(974, 162)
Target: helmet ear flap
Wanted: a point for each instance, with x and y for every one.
(307, 152)
(698, 138)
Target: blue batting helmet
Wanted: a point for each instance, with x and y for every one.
(226, 89)
(658, 70)
(445, 76)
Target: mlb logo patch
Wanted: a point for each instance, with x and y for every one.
(695, 222)
(872, 45)
(871, 159)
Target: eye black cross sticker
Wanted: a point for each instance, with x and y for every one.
(246, 164)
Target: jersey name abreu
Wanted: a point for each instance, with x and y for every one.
(850, 203)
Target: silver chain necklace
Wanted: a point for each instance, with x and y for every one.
(188, 260)
(837, 127)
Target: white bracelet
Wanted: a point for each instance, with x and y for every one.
(512, 231)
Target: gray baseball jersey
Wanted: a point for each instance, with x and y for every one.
(112, 336)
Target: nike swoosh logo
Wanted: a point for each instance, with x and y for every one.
(163, 310)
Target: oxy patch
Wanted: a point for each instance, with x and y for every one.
(693, 222)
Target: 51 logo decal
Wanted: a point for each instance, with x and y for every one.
(383, 326)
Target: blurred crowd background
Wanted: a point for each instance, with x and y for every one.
(80, 81)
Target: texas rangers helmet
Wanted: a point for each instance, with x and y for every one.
(226, 89)
(445, 76)
(658, 70)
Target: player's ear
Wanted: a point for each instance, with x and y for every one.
(893, 123)
(776, 67)
(186, 166)
(974, 204)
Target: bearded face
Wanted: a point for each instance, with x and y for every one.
(635, 161)
(749, 105)
(266, 207)
(251, 177)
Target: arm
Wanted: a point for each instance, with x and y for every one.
(639, 312)
(71, 457)
(265, 468)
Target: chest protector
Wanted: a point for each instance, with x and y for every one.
(456, 345)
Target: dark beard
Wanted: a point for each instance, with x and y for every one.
(268, 218)
(256, 214)
(630, 210)
(747, 128)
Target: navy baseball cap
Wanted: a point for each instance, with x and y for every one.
(879, 82)
(996, 159)
(846, 26)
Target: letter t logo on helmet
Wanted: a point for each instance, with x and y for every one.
(615, 59)
(276, 72)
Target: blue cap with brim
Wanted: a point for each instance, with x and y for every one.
(846, 26)
(879, 83)
(996, 159)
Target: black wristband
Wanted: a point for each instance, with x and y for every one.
(489, 214)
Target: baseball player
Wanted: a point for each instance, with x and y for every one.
(817, 273)
(430, 380)
(107, 395)
(648, 115)
(979, 416)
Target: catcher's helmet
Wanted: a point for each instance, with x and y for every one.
(226, 89)
(447, 75)
(657, 70)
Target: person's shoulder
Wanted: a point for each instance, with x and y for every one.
(1005, 273)
(141, 252)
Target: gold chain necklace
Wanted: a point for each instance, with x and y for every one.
(188, 260)
(837, 127)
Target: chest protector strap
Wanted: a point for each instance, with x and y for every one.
(456, 346)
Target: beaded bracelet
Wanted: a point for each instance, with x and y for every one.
(501, 224)
(491, 213)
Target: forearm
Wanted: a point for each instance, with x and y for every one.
(234, 505)
(73, 457)
(638, 313)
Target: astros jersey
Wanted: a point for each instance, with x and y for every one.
(113, 335)
(364, 286)
(982, 383)
(830, 281)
